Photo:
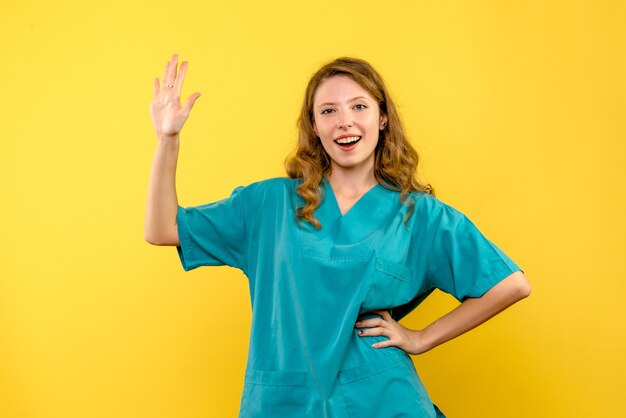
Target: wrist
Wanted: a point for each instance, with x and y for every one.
(168, 139)
(420, 342)
(162, 136)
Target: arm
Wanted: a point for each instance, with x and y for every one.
(162, 204)
(473, 312)
(468, 315)
(168, 118)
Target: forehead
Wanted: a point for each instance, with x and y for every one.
(339, 89)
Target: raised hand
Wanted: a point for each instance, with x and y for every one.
(168, 116)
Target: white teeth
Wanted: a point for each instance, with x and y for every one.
(348, 140)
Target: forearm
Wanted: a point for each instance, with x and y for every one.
(162, 202)
(474, 311)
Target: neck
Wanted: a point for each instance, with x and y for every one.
(352, 180)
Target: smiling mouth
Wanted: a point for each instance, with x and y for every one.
(347, 142)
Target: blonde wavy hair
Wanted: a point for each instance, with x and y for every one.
(395, 160)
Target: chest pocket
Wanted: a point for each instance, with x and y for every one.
(390, 285)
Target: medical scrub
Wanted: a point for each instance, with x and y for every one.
(309, 287)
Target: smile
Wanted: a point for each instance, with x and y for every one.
(348, 140)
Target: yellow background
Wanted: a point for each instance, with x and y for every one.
(517, 108)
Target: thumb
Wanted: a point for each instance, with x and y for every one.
(191, 100)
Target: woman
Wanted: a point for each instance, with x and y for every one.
(335, 254)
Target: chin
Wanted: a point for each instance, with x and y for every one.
(350, 162)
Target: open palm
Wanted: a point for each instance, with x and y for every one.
(168, 116)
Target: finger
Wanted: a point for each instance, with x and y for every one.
(165, 72)
(383, 344)
(372, 322)
(191, 100)
(178, 84)
(374, 332)
(380, 312)
(385, 314)
(172, 73)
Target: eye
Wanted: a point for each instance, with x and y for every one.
(362, 106)
(323, 112)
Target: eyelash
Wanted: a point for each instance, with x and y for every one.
(364, 107)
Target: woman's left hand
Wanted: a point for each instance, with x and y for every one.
(399, 336)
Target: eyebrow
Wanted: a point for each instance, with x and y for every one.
(351, 100)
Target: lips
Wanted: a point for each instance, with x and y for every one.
(348, 143)
(347, 139)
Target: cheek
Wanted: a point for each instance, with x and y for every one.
(369, 120)
(324, 128)
(318, 126)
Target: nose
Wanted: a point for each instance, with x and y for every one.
(344, 120)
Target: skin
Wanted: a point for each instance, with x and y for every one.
(352, 175)
(168, 118)
(468, 315)
(341, 106)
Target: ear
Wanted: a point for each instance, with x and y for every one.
(383, 122)
(315, 128)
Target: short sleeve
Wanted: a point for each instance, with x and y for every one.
(462, 261)
(213, 234)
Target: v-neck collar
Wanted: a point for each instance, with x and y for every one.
(328, 190)
(361, 224)
(353, 235)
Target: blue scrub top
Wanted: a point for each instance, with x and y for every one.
(308, 287)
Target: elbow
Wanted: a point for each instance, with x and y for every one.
(150, 239)
(522, 285)
(170, 238)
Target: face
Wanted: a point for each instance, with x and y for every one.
(347, 120)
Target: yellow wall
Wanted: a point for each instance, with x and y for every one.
(518, 109)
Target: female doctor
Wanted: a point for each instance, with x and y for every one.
(335, 254)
